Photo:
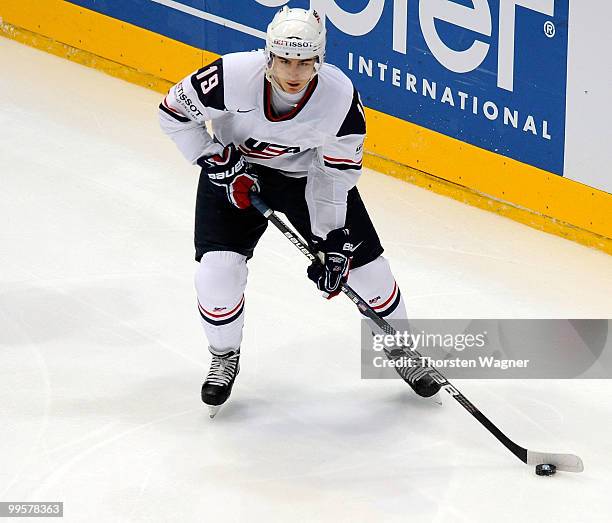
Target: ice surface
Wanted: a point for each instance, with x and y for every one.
(102, 355)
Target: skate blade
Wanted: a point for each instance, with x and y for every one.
(212, 410)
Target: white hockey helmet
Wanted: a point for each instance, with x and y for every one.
(296, 33)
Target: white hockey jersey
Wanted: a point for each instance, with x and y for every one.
(321, 138)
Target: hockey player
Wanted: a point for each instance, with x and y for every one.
(291, 126)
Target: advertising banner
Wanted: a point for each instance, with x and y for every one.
(491, 73)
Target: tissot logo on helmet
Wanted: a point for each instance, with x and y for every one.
(293, 43)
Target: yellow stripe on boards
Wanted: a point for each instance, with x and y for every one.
(85, 58)
(482, 201)
(490, 174)
(106, 37)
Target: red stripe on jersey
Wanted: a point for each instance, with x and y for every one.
(259, 154)
(330, 159)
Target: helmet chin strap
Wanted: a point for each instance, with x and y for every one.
(272, 80)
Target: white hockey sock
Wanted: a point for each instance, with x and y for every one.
(375, 283)
(220, 280)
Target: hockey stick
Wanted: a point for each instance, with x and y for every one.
(564, 462)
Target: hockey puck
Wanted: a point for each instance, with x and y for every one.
(545, 469)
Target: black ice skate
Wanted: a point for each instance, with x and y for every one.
(220, 379)
(416, 376)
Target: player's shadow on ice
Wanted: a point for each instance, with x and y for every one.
(172, 404)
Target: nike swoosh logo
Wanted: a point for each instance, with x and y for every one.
(247, 111)
(355, 247)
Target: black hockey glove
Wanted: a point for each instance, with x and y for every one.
(231, 172)
(332, 271)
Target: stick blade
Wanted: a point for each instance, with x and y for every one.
(564, 462)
